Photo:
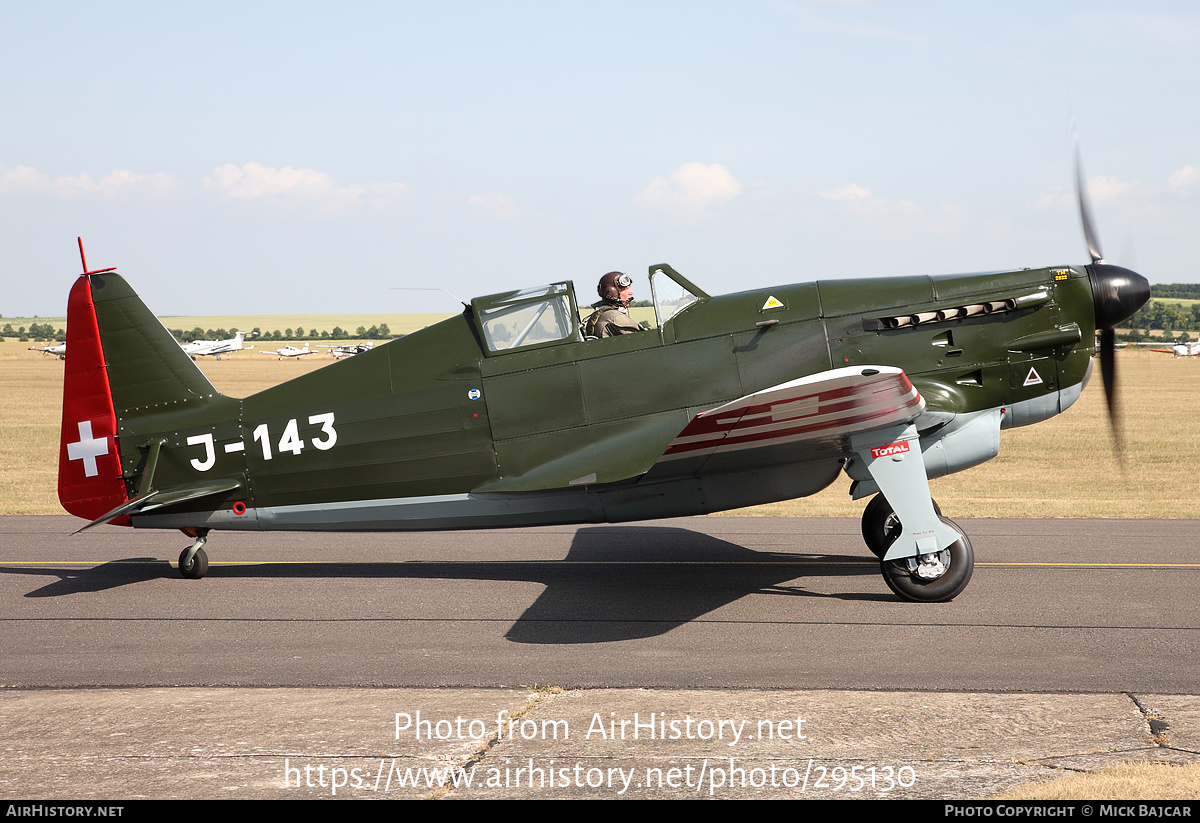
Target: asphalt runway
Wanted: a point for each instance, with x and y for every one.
(715, 602)
(719, 657)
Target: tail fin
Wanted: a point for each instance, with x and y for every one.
(145, 364)
(125, 375)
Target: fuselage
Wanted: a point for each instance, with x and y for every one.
(446, 428)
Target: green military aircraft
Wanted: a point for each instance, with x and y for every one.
(506, 415)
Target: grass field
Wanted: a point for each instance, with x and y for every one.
(1064, 467)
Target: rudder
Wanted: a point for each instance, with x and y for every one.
(126, 377)
(90, 481)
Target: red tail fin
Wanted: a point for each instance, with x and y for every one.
(89, 466)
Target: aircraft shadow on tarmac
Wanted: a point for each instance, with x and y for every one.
(636, 582)
(96, 579)
(616, 582)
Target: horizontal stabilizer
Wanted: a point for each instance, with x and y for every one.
(161, 499)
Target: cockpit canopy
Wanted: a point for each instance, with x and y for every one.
(549, 315)
(530, 317)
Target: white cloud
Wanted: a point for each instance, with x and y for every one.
(119, 182)
(253, 181)
(847, 194)
(855, 205)
(859, 200)
(494, 205)
(1109, 189)
(1184, 181)
(1100, 190)
(1055, 197)
(693, 186)
(22, 178)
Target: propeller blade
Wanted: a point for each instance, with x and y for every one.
(1108, 370)
(1085, 211)
(1117, 294)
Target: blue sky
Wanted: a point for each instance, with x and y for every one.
(306, 157)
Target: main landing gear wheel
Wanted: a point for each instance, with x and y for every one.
(197, 568)
(881, 526)
(935, 577)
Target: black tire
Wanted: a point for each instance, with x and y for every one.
(197, 568)
(907, 586)
(880, 526)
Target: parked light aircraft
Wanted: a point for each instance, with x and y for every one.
(1182, 350)
(216, 348)
(349, 351)
(290, 351)
(505, 415)
(59, 350)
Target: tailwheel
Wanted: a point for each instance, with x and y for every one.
(881, 526)
(935, 577)
(193, 562)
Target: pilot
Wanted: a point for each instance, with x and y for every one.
(611, 315)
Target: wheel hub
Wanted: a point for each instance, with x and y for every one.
(929, 566)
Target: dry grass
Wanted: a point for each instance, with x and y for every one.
(1063, 467)
(30, 415)
(1130, 781)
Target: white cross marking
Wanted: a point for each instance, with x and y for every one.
(88, 449)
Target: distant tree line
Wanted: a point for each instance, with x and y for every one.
(45, 333)
(37, 332)
(379, 332)
(1178, 291)
(1175, 319)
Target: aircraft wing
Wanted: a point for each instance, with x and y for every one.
(1179, 351)
(1170, 348)
(831, 404)
(797, 421)
(161, 499)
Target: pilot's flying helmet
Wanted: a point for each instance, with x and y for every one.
(611, 284)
